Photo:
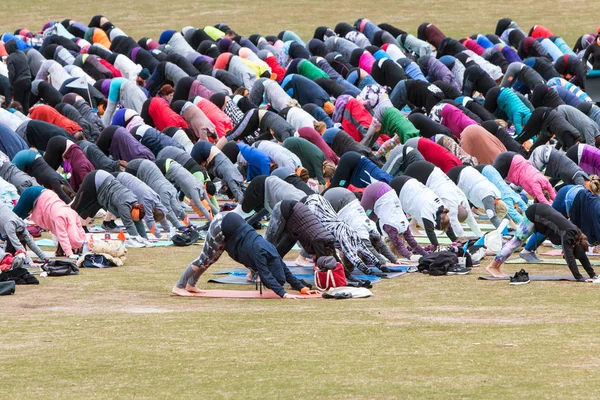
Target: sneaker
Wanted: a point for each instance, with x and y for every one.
(478, 255)
(458, 270)
(530, 257)
(133, 243)
(520, 278)
(110, 226)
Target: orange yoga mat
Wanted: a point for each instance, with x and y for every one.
(242, 294)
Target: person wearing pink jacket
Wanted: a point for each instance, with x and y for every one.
(515, 169)
(49, 212)
(451, 117)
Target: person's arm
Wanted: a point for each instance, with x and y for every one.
(387, 146)
(266, 277)
(198, 206)
(455, 223)
(472, 222)
(430, 231)
(34, 247)
(372, 134)
(57, 187)
(290, 278)
(62, 236)
(413, 243)
(383, 249)
(124, 211)
(12, 237)
(567, 248)
(451, 235)
(398, 243)
(586, 55)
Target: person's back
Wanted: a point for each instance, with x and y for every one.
(17, 63)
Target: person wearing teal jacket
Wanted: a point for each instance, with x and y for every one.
(507, 101)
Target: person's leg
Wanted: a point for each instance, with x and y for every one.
(510, 76)
(212, 250)
(523, 232)
(344, 170)
(490, 210)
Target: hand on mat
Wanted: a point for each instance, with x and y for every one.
(292, 296)
(376, 273)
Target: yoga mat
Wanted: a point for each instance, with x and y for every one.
(45, 243)
(532, 278)
(239, 278)
(555, 261)
(442, 240)
(242, 294)
(558, 252)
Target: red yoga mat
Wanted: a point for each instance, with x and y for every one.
(242, 294)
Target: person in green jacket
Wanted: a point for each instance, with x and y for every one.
(311, 157)
(311, 71)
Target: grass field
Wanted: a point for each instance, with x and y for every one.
(118, 334)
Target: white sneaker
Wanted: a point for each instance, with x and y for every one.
(100, 214)
(134, 242)
(147, 243)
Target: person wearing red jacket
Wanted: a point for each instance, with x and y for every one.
(434, 153)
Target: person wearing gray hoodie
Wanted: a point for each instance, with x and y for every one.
(14, 232)
(148, 172)
(102, 190)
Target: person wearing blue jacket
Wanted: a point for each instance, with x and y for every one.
(253, 160)
(306, 91)
(10, 142)
(357, 170)
(246, 246)
(154, 139)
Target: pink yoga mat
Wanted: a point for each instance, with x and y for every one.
(242, 294)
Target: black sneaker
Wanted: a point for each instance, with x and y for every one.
(458, 270)
(109, 226)
(520, 278)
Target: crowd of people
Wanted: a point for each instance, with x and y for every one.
(349, 143)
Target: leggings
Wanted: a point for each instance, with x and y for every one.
(524, 230)
(535, 241)
(345, 169)
(21, 93)
(490, 210)
(214, 246)
(247, 126)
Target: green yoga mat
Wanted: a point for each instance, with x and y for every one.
(555, 261)
(442, 240)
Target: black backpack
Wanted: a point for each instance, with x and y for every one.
(7, 288)
(186, 238)
(20, 276)
(60, 268)
(437, 264)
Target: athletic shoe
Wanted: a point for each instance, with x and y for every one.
(530, 257)
(458, 270)
(478, 255)
(134, 243)
(110, 226)
(520, 278)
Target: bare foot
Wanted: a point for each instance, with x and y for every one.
(184, 292)
(303, 262)
(192, 289)
(494, 271)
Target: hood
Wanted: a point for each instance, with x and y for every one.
(11, 46)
